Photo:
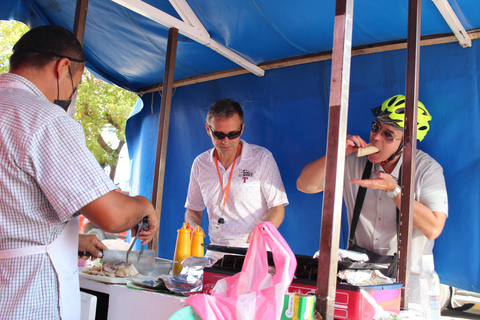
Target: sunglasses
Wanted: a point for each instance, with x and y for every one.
(231, 135)
(387, 136)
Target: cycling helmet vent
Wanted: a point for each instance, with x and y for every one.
(392, 112)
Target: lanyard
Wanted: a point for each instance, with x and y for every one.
(225, 192)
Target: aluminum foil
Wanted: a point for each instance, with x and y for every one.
(364, 277)
(344, 255)
(191, 278)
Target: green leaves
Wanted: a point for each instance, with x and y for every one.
(10, 32)
(103, 109)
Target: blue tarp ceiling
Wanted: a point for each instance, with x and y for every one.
(129, 49)
(287, 110)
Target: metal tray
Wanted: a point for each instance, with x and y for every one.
(103, 279)
(302, 259)
(361, 265)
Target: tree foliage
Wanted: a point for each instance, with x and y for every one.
(102, 109)
(10, 32)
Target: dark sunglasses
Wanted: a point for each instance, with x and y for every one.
(220, 135)
(387, 136)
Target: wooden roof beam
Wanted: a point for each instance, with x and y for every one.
(375, 48)
(193, 32)
(453, 22)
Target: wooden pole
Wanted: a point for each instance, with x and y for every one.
(80, 19)
(335, 160)
(410, 147)
(163, 126)
(79, 23)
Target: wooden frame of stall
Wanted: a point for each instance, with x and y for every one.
(339, 94)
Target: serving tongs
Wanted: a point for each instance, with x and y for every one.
(143, 225)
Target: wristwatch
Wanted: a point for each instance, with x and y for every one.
(392, 194)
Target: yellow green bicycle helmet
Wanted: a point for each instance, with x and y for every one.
(392, 112)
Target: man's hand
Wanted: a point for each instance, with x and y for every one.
(250, 236)
(384, 181)
(353, 143)
(147, 233)
(89, 243)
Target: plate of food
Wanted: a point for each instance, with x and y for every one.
(113, 274)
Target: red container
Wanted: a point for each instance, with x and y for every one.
(210, 278)
(349, 302)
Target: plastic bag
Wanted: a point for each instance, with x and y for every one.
(252, 293)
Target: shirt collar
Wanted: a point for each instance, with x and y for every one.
(11, 77)
(246, 151)
(396, 171)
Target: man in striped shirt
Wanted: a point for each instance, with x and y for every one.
(47, 178)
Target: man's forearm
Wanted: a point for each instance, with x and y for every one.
(426, 221)
(194, 218)
(312, 177)
(276, 215)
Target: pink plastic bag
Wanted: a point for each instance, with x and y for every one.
(252, 293)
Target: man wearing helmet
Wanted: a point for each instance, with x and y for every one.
(377, 224)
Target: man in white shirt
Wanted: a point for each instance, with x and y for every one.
(238, 183)
(377, 226)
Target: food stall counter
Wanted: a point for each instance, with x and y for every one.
(126, 303)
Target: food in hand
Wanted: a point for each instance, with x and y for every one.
(369, 149)
(120, 271)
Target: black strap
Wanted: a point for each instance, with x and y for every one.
(359, 202)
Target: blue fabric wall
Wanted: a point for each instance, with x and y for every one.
(287, 112)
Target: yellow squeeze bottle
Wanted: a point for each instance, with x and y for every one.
(182, 249)
(197, 240)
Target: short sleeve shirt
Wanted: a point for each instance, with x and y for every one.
(46, 175)
(256, 186)
(376, 228)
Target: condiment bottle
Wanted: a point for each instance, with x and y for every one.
(197, 240)
(182, 249)
(190, 229)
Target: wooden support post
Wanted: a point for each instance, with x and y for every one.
(80, 19)
(79, 31)
(163, 126)
(410, 147)
(335, 160)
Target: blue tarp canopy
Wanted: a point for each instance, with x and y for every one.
(286, 109)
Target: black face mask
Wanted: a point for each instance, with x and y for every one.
(65, 104)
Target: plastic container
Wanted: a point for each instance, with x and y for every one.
(298, 306)
(430, 289)
(197, 240)
(162, 267)
(182, 249)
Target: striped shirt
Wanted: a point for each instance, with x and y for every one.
(46, 175)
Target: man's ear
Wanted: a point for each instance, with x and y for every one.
(208, 128)
(62, 67)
